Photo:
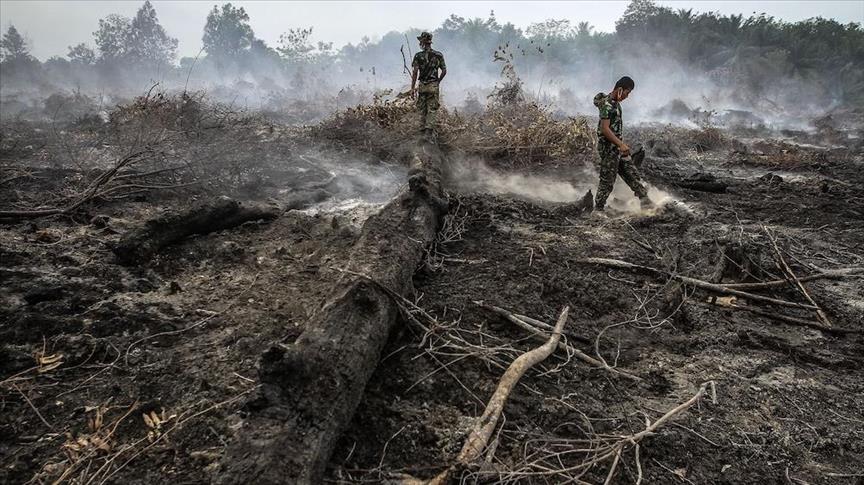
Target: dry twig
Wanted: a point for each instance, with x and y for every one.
(824, 274)
(479, 436)
(540, 334)
(781, 261)
(601, 449)
(712, 287)
(92, 192)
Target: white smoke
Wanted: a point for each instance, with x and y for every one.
(471, 175)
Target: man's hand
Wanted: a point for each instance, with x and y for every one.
(414, 73)
(624, 150)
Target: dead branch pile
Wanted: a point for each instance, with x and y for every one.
(670, 141)
(119, 181)
(513, 134)
(155, 143)
(560, 460)
(709, 138)
(184, 112)
(382, 127)
(74, 106)
(520, 134)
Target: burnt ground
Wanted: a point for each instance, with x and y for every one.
(788, 398)
(114, 374)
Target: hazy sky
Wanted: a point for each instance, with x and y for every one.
(52, 26)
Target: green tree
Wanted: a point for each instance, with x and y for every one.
(111, 38)
(13, 47)
(550, 30)
(147, 41)
(295, 45)
(635, 19)
(584, 29)
(227, 34)
(141, 40)
(81, 55)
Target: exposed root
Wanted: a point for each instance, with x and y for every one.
(712, 287)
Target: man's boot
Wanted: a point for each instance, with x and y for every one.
(645, 203)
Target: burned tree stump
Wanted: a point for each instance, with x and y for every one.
(310, 389)
(736, 261)
(141, 244)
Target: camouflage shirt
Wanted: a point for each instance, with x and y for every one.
(427, 63)
(609, 110)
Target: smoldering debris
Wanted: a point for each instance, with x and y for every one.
(202, 308)
(564, 185)
(154, 369)
(472, 175)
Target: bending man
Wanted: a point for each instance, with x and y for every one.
(614, 153)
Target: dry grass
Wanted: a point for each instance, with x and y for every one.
(709, 138)
(515, 134)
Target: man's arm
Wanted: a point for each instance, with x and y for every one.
(415, 70)
(443, 70)
(610, 135)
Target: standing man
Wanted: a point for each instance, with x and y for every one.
(614, 153)
(426, 66)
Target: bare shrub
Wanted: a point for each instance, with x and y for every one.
(709, 138)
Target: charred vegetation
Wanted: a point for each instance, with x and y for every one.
(308, 290)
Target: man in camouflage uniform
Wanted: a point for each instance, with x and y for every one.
(425, 68)
(614, 153)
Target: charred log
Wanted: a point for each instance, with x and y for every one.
(311, 388)
(305, 198)
(704, 182)
(141, 244)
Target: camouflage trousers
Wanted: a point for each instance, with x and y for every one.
(427, 104)
(612, 165)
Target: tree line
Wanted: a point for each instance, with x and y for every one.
(757, 53)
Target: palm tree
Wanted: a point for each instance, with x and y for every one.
(583, 29)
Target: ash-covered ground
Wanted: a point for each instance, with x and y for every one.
(138, 373)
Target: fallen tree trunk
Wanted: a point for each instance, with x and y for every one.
(311, 388)
(141, 244)
(704, 186)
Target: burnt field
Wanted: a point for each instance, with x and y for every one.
(165, 270)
